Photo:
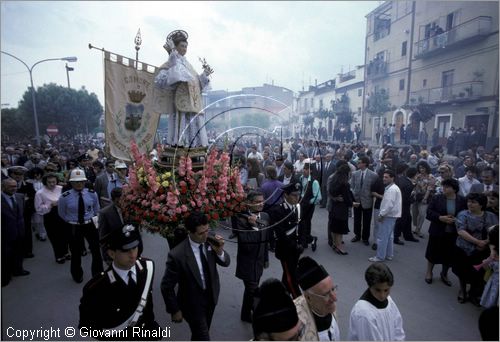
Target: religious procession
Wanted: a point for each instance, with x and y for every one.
(201, 214)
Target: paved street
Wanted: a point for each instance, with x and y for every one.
(49, 297)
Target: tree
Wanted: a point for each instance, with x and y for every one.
(260, 120)
(308, 120)
(378, 103)
(342, 111)
(72, 111)
(12, 127)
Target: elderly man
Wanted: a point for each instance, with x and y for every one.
(12, 231)
(316, 307)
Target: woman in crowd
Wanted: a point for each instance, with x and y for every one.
(424, 189)
(340, 199)
(377, 189)
(441, 212)
(471, 246)
(35, 178)
(490, 294)
(46, 200)
(445, 171)
(254, 172)
(492, 205)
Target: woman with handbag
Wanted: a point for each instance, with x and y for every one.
(441, 212)
(472, 246)
(424, 190)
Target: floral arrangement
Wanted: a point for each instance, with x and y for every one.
(160, 199)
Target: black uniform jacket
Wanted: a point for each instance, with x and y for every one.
(107, 301)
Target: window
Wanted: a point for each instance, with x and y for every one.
(402, 84)
(359, 111)
(424, 83)
(360, 92)
(312, 103)
(403, 49)
(321, 104)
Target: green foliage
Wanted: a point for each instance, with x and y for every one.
(323, 114)
(378, 103)
(260, 120)
(342, 111)
(72, 111)
(422, 112)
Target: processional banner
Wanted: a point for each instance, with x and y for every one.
(129, 110)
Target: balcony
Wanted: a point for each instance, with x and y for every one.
(347, 76)
(459, 92)
(376, 68)
(469, 32)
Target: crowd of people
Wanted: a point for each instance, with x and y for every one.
(57, 191)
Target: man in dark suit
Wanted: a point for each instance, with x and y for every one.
(120, 299)
(12, 231)
(192, 265)
(18, 173)
(285, 219)
(111, 219)
(317, 168)
(288, 175)
(405, 184)
(487, 185)
(253, 254)
(328, 170)
(102, 184)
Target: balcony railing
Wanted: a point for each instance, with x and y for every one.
(465, 91)
(471, 30)
(376, 68)
(347, 76)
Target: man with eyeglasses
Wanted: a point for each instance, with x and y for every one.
(316, 307)
(275, 316)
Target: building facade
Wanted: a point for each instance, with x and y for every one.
(440, 54)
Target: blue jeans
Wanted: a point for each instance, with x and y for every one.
(385, 238)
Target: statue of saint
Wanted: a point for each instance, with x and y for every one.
(178, 91)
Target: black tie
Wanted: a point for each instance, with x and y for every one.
(14, 204)
(81, 209)
(204, 264)
(362, 178)
(131, 282)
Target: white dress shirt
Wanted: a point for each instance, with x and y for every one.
(124, 273)
(195, 247)
(391, 205)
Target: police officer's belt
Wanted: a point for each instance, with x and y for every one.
(77, 223)
(132, 320)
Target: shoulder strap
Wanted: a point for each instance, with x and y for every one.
(132, 320)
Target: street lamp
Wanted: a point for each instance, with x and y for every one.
(30, 70)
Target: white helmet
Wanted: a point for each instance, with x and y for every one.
(77, 175)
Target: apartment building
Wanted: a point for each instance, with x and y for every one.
(346, 86)
(442, 54)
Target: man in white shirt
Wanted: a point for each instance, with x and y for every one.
(254, 153)
(466, 182)
(191, 270)
(299, 164)
(390, 211)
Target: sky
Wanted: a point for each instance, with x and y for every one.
(290, 43)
